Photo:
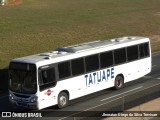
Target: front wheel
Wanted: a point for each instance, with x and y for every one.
(62, 100)
(119, 81)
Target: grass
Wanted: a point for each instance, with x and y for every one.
(42, 25)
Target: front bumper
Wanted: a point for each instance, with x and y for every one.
(21, 104)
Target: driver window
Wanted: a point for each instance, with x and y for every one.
(47, 76)
(44, 76)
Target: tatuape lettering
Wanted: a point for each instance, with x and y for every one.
(99, 76)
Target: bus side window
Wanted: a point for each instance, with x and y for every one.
(92, 62)
(132, 53)
(144, 50)
(119, 56)
(48, 76)
(77, 63)
(141, 50)
(106, 59)
(64, 69)
(44, 76)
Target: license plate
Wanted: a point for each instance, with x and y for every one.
(22, 104)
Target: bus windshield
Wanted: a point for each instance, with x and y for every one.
(22, 78)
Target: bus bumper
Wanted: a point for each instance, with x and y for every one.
(18, 104)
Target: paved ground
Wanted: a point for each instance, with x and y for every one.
(153, 105)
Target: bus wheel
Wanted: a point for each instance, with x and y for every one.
(119, 81)
(62, 100)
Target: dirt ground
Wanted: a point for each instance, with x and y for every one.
(14, 2)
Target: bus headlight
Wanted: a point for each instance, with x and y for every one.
(11, 96)
(33, 99)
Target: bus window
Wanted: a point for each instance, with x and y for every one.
(144, 50)
(132, 53)
(141, 51)
(47, 78)
(120, 56)
(64, 69)
(106, 59)
(92, 63)
(77, 63)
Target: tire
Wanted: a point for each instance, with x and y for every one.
(62, 100)
(119, 81)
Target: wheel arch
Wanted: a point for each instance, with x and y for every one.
(121, 76)
(65, 91)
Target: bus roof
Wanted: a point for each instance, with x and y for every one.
(79, 48)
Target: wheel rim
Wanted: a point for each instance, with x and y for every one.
(118, 83)
(62, 100)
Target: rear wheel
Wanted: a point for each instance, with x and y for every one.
(62, 100)
(119, 81)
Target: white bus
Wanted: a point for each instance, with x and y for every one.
(55, 77)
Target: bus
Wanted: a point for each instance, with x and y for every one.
(56, 77)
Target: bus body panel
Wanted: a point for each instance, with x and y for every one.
(79, 86)
(88, 82)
